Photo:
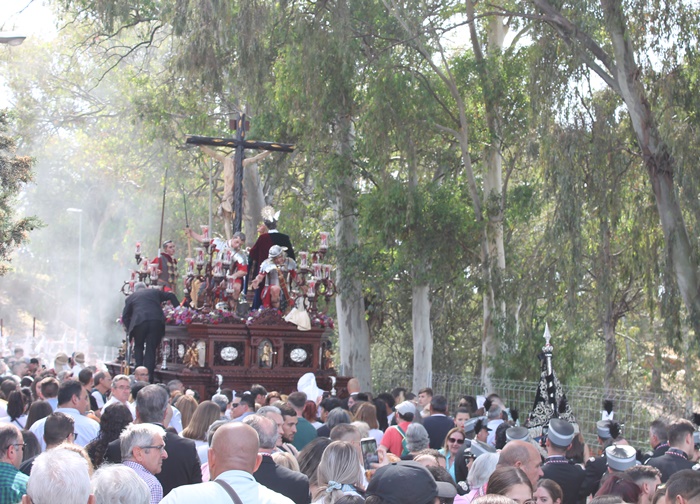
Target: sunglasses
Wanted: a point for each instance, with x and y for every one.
(453, 440)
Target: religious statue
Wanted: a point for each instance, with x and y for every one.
(272, 271)
(191, 358)
(226, 208)
(265, 355)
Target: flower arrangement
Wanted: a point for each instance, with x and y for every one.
(183, 316)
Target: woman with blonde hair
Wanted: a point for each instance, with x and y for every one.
(453, 442)
(286, 460)
(186, 404)
(339, 473)
(204, 415)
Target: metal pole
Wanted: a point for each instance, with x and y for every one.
(79, 211)
(211, 188)
(80, 277)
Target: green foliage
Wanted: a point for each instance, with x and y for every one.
(15, 173)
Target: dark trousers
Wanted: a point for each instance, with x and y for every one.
(150, 333)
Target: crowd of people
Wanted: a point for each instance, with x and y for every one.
(74, 434)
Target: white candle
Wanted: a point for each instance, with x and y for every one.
(324, 240)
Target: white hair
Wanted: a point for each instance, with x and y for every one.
(137, 435)
(59, 475)
(482, 468)
(363, 427)
(119, 484)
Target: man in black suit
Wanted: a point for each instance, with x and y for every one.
(145, 322)
(292, 484)
(182, 465)
(438, 424)
(556, 467)
(677, 457)
(658, 437)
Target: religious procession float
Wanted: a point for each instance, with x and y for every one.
(221, 336)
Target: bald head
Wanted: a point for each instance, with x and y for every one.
(234, 447)
(525, 456)
(353, 385)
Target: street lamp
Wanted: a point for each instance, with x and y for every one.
(79, 211)
(12, 38)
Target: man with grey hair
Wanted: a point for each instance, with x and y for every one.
(143, 450)
(495, 418)
(222, 402)
(13, 482)
(102, 385)
(118, 484)
(293, 484)
(182, 466)
(274, 413)
(59, 475)
(121, 388)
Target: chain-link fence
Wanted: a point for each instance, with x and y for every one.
(635, 410)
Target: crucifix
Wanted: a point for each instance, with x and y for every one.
(240, 125)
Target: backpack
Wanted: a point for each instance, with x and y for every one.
(404, 443)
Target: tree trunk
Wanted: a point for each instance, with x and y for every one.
(353, 331)
(658, 160)
(422, 337)
(253, 202)
(493, 255)
(610, 351)
(420, 299)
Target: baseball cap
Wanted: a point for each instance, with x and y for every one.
(406, 407)
(408, 481)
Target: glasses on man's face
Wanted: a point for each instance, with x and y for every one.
(17, 445)
(235, 405)
(75, 436)
(453, 440)
(158, 447)
(122, 387)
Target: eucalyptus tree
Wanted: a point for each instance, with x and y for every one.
(487, 133)
(604, 232)
(634, 58)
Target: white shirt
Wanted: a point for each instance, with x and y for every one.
(86, 428)
(99, 399)
(202, 451)
(249, 490)
(176, 420)
(493, 425)
(112, 400)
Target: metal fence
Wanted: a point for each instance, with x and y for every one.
(634, 409)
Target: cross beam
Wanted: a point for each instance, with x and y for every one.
(240, 144)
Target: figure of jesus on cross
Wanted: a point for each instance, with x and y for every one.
(233, 168)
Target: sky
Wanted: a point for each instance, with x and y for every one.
(31, 17)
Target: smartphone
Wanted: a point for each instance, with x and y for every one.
(369, 452)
